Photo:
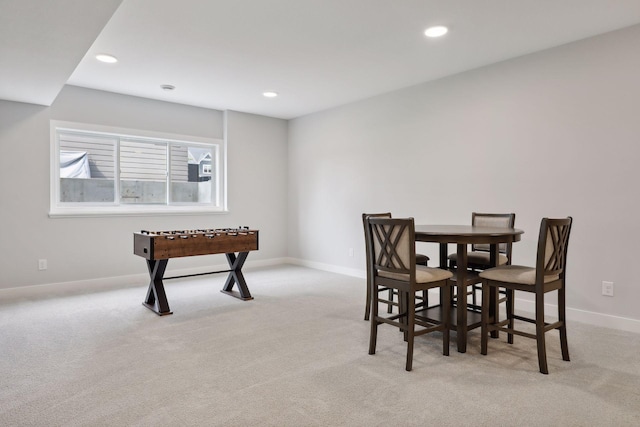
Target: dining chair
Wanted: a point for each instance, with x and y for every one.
(420, 260)
(392, 265)
(478, 258)
(548, 275)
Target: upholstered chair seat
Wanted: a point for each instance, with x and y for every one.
(515, 274)
(423, 274)
(422, 259)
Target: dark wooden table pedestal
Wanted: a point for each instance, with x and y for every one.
(461, 236)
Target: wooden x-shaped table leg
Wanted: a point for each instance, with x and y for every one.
(156, 299)
(236, 277)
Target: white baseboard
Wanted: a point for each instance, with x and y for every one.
(354, 272)
(79, 287)
(573, 314)
(60, 289)
(583, 316)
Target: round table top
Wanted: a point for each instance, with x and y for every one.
(466, 234)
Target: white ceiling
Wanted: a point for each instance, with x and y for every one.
(42, 42)
(316, 54)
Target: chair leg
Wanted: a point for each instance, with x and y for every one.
(374, 320)
(494, 293)
(411, 318)
(474, 300)
(367, 309)
(540, 339)
(563, 328)
(390, 306)
(484, 332)
(510, 308)
(403, 309)
(446, 319)
(497, 313)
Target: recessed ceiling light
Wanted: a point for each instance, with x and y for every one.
(437, 31)
(270, 94)
(109, 59)
(167, 87)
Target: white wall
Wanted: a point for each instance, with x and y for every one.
(554, 133)
(257, 190)
(549, 134)
(80, 249)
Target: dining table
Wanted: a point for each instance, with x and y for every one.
(463, 319)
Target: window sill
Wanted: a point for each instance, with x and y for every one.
(71, 212)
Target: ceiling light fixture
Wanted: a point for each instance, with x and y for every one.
(437, 31)
(167, 87)
(109, 59)
(270, 94)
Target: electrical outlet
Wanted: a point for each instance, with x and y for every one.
(42, 264)
(607, 289)
(351, 252)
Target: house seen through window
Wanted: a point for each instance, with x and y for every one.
(123, 173)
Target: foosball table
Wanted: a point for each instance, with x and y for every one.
(157, 247)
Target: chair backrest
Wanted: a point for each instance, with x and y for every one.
(392, 243)
(503, 220)
(367, 247)
(552, 248)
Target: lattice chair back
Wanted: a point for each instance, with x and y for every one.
(365, 218)
(393, 245)
(552, 248)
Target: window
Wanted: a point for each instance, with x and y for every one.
(96, 171)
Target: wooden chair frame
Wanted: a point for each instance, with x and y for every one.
(553, 242)
(390, 300)
(384, 236)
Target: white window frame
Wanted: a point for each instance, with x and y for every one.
(59, 209)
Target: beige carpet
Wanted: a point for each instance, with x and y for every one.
(294, 356)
